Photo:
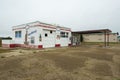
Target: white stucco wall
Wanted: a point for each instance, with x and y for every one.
(7, 42)
(50, 41)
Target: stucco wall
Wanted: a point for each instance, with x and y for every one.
(51, 40)
(99, 37)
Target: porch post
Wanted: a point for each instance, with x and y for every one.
(105, 38)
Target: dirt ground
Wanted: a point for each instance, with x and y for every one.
(68, 63)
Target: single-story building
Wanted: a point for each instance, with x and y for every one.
(40, 35)
(101, 35)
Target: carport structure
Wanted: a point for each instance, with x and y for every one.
(106, 33)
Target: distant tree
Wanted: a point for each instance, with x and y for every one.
(4, 38)
(0, 42)
(81, 38)
(117, 33)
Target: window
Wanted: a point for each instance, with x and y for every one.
(32, 40)
(46, 34)
(18, 34)
(67, 35)
(62, 34)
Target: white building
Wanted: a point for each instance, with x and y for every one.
(40, 35)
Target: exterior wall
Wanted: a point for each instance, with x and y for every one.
(113, 37)
(99, 37)
(65, 41)
(48, 38)
(8, 43)
(34, 32)
(57, 36)
(44, 36)
(19, 40)
(93, 37)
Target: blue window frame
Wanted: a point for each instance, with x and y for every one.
(18, 34)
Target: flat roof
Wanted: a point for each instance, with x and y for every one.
(93, 31)
(41, 23)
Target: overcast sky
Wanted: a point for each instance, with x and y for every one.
(75, 14)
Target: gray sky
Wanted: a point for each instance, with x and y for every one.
(76, 14)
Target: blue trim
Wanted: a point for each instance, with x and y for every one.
(18, 34)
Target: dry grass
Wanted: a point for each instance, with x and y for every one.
(4, 50)
(73, 63)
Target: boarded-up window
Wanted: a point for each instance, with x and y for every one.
(62, 34)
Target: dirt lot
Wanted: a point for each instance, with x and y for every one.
(68, 63)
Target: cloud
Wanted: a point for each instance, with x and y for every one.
(76, 14)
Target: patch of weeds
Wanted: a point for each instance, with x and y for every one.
(117, 79)
(2, 56)
(28, 79)
(34, 52)
(20, 51)
(5, 50)
(100, 45)
(76, 72)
